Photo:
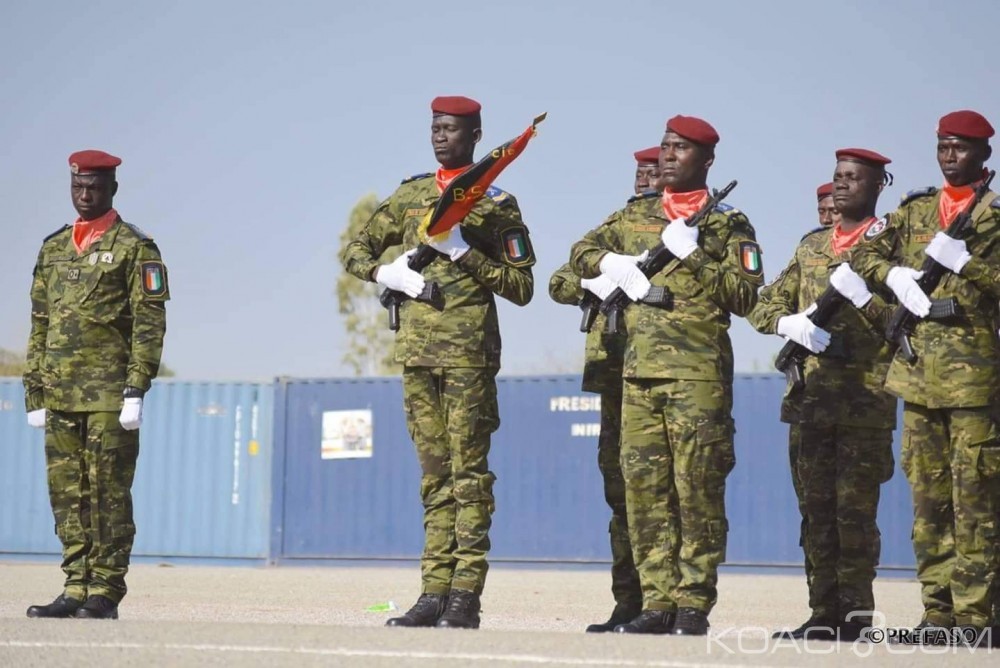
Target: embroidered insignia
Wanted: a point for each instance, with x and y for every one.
(875, 228)
(516, 247)
(74, 168)
(750, 258)
(107, 258)
(92, 260)
(418, 213)
(73, 275)
(154, 279)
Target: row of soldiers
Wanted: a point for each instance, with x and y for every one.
(666, 381)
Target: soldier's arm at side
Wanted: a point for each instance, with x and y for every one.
(777, 299)
(564, 286)
(586, 254)
(34, 396)
(148, 292)
(383, 230)
(511, 277)
(728, 283)
(983, 268)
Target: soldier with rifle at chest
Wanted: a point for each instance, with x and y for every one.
(842, 420)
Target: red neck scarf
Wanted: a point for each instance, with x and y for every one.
(445, 176)
(954, 199)
(683, 205)
(87, 232)
(842, 241)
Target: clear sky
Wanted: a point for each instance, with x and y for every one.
(249, 129)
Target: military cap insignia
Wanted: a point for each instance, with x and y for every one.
(516, 246)
(154, 278)
(876, 228)
(750, 259)
(74, 168)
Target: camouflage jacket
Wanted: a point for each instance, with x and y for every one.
(958, 360)
(843, 385)
(97, 320)
(689, 341)
(466, 333)
(602, 366)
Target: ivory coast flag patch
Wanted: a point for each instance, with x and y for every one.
(516, 247)
(750, 258)
(154, 279)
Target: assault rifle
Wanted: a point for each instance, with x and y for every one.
(659, 257)
(903, 322)
(391, 299)
(792, 357)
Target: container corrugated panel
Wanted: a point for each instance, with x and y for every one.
(202, 485)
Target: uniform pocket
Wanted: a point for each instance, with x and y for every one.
(988, 462)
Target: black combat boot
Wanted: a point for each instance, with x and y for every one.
(812, 629)
(622, 614)
(462, 611)
(60, 608)
(425, 612)
(649, 621)
(98, 607)
(690, 622)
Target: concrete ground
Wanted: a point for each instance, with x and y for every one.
(306, 616)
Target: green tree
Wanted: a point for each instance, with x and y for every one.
(11, 363)
(369, 342)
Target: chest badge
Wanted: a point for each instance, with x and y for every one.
(107, 257)
(73, 275)
(92, 259)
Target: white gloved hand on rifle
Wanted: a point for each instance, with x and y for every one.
(851, 286)
(601, 287)
(952, 254)
(903, 282)
(680, 239)
(800, 329)
(397, 276)
(623, 271)
(450, 243)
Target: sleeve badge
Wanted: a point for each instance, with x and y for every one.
(516, 246)
(750, 260)
(154, 279)
(876, 228)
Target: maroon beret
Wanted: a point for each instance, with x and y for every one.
(455, 105)
(695, 129)
(92, 161)
(648, 155)
(824, 190)
(863, 156)
(965, 123)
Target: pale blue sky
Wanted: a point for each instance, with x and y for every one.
(249, 129)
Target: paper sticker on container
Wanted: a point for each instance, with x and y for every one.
(346, 434)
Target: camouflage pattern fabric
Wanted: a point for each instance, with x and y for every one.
(677, 432)
(677, 449)
(841, 442)
(951, 441)
(952, 459)
(450, 413)
(90, 462)
(97, 320)
(467, 332)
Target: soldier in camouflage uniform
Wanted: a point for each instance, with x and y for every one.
(602, 373)
(951, 442)
(677, 427)
(450, 358)
(827, 210)
(97, 323)
(842, 421)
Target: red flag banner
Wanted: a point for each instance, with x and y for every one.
(469, 187)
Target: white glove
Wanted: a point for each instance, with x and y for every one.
(802, 330)
(450, 243)
(903, 282)
(947, 252)
(622, 270)
(397, 276)
(131, 415)
(36, 418)
(680, 239)
(602, 286)
(850, 285)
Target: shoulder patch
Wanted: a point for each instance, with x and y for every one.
(138, 232)
(916, 194)
(643, 195)
(57, 232)
(750, 260)
(722, 207)
(811, 232)
(516, 246)
(416, 176)
(877, 228)
(497, 195)
(154, 278)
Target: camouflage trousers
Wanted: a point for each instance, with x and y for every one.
(90, 462)
(624, 577)
(677, 449)
(840, 470)
(951, 457)
(450, 414)
(793, 466)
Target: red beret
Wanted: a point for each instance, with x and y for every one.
(695, 129)
(92, 161)
(824, 190)
(648, 155)
(965, 123)
(863, 156)
(455, 105)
